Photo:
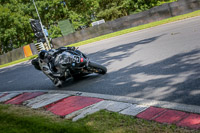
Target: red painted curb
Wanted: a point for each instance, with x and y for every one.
(171, 116)
(192, 121)
(151, 113)
(23, 97)
(71, 104)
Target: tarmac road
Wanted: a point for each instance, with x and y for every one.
(160, 63)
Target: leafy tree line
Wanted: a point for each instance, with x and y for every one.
(15, 29)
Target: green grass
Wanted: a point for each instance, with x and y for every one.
(19, 119)
(141, 27)
(169, 1)
(22, 120)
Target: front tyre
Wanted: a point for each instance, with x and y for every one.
(35, 63)
(97, 68)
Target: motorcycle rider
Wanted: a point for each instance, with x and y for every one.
(46, 63)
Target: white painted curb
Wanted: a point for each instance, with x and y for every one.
(139, 101)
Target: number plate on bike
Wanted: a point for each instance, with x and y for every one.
(76, 59)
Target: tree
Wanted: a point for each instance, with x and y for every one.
(15, 29)
(14, 26)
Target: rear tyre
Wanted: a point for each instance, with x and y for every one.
(79, 76)
(97, 68)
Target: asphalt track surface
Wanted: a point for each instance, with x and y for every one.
(160, 63)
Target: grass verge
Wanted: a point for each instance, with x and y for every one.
(18, 119)
(141, 27)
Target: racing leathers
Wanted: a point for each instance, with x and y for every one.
(47, 64)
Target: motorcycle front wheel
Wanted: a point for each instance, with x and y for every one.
(97, 68)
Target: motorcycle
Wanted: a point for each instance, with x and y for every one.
(69, 63)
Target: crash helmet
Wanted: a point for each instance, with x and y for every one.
(43, 54)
